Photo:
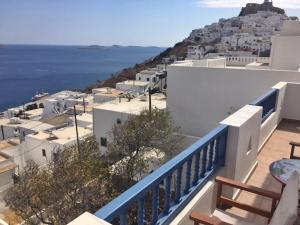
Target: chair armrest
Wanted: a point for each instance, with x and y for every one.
(293, 143)
(199, 218)
(248, 188)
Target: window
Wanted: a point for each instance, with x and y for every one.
(154, 79)
(148, 79)
(140, 78)
(44, 152)
(119, 121)
(55, 156)
(103, 142)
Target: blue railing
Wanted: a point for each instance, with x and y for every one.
(161, 195)
(268, 102)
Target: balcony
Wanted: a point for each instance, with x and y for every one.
(277, 147)
(242, 147)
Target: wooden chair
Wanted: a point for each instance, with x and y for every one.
(220, 217)
(293, 146)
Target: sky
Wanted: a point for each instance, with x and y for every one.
(107, 22)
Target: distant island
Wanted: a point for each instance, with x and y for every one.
(114, 47)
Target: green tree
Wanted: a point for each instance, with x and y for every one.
(59, 192)
(78, 181)
(139, 144)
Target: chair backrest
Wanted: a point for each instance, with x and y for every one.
(286, 210)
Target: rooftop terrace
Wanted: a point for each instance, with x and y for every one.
(134, 106)
(61, 136)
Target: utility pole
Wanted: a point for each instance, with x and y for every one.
(2, 131)
(150, 105)
(83, 102)
(77, 131)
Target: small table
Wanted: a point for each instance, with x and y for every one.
(282, 169)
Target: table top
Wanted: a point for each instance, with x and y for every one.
(282, 169)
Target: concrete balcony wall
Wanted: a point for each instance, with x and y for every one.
(88, 219)
(199, 98)
(274, 119)
(204, 202)
(241, 160)
(291, 109)
(243, 61)
(242, 143)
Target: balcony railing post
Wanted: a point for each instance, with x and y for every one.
(223, 143)
(141, 211)
(123, 218)
(167, 194)
(210, 155)
(188, 176)
(178, 184)
(155, 203)
(197, 167)
(203, 163)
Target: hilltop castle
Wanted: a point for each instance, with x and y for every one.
(252, 8)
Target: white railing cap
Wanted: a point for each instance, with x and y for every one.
(88, 219)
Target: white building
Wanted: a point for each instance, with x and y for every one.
(7, 167)
(106, 94)
(154, 76)
(248, 33)
(115, 112)
(133, 86)
(195, 52)
(85, 120)
(200, 97)
(42, 146)
(61, 102)
(16, 127)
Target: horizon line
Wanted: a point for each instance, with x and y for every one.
(84, 45)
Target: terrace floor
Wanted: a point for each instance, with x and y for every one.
(277, 147)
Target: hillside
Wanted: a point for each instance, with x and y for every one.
(179, 49)
(247, 34)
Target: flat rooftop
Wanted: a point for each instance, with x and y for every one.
(27, 124)
(134, 106)
(107, 92)
(57, 120)
(134, 83)
(4, 121)
(34, 125)
(153, 71)
(8, 143)
(86, 117)
(35, 112)
(62, 136)
(276, 148)
(6, 163)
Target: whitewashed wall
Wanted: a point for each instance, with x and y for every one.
(274, 119)
(32, 150)
(240, 161)
(291, 109)
(199, 98)
(104, 121)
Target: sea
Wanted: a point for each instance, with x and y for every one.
(26, 70)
